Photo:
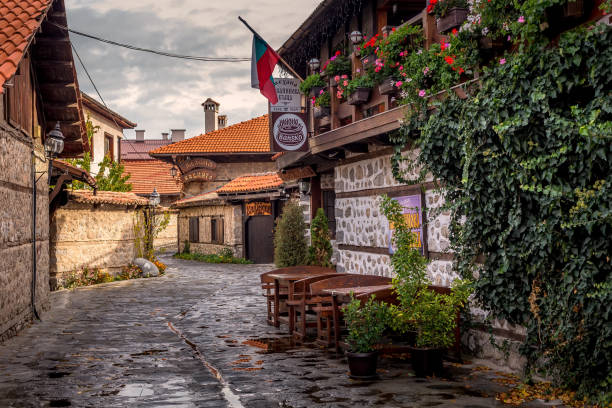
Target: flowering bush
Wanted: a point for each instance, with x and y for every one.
(323, 100)
(338, 64)
(369, 46)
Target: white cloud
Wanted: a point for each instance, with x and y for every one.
(161, 93)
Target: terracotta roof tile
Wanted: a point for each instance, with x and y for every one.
(148, 174)
(19, 20)
(252, 183)
(106, 197)
(250, 136)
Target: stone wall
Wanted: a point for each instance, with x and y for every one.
(232, 224)
(166, 241)
(16, 268)
(90, 235)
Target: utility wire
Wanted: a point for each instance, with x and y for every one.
(162, 53)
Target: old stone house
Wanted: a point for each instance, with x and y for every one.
(38, 89)
(109, 126)
(224, 173)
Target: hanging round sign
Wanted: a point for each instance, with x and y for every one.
(290, 132)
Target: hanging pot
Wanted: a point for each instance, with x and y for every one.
(359, 96)
(321, 111)
(453, 19)
(363, 365)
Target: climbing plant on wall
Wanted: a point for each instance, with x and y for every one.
(525, 161)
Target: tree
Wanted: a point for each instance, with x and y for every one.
(290, 248)
(320, 251)
(110, 173)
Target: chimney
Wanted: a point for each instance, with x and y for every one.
(164, 136)
(177, 135)
(140, 135)
(211, 114)
(222, 121)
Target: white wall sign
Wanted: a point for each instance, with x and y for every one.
(289, 97)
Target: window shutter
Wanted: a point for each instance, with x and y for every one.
(205, 233)
(194, 229)
(220, 238)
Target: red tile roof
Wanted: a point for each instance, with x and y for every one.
(252, 136)
(148, 174)
(139, 150)
(106, 197)
(252, 183)
(19, 20)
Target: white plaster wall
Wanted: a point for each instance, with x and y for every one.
(106, 127)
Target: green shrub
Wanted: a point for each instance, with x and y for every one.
(222, 257)
(311, 81)
(366, 324)
(320, 251)
(290, 248)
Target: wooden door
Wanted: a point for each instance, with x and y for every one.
(260, 239)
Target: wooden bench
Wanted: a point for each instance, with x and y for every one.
(268, 286)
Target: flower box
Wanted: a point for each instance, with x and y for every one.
(359, 96)
(453, 19)
(368, 61)
(316, 91)
(387, 87)
(321, 111)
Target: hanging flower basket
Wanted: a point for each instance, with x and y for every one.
(387, 87)
(315, 91)
(368, 61)
(453, 19)
(359, 96)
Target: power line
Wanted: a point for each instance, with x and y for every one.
(156, 52)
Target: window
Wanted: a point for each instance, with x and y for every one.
(216, 230)
(194, 229)
(329, 207)
(109, 146)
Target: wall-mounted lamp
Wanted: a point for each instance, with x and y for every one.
(314, 64)
(304, 186)
(356, 37)
(54, 143)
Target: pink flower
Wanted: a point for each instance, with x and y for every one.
(426, 71)
(401, 68)
(403, 74)
(358, 70)
(333, 58)
(502, 61)
(521, 19)
(422, 93)
(345, 83)
(365, 61)
(321, 92)
(398, 84)
(337, 78)
(509, 38)
(344, 76)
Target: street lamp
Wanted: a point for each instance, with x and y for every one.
(154, 198)
(54, 143)
(356, 37)
(304, 186)
(314, 64)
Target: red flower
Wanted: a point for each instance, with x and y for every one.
(454, 31)
(449, 60)
(337, 53)
(429, 8)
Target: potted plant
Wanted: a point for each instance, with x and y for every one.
(312, 85)
(337, 65)
(449, 13)
(322, 105)
(366, 323)
(359, 90)
(388, 86)
(367, 52)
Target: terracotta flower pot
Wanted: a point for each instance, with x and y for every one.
(321, 111)
(426, 361)
(387, 87)
(363, 365)
(359, 96)
(453, 19)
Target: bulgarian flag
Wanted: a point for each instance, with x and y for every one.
(263, 61)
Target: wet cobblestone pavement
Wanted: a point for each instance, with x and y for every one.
(197, 337)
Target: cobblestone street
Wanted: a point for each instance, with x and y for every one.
(183, 340)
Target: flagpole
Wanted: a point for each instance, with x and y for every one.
(285, 63)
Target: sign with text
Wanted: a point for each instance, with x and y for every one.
(289, 132)
(258, 208)
(413, 214)
(289, 97)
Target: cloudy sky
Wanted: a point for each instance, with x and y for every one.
(161, 93)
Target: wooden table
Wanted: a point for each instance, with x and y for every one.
(343, 295)
(287, 279)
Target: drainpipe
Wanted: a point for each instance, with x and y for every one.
(34, 260)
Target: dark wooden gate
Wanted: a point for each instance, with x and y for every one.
(260, 238)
